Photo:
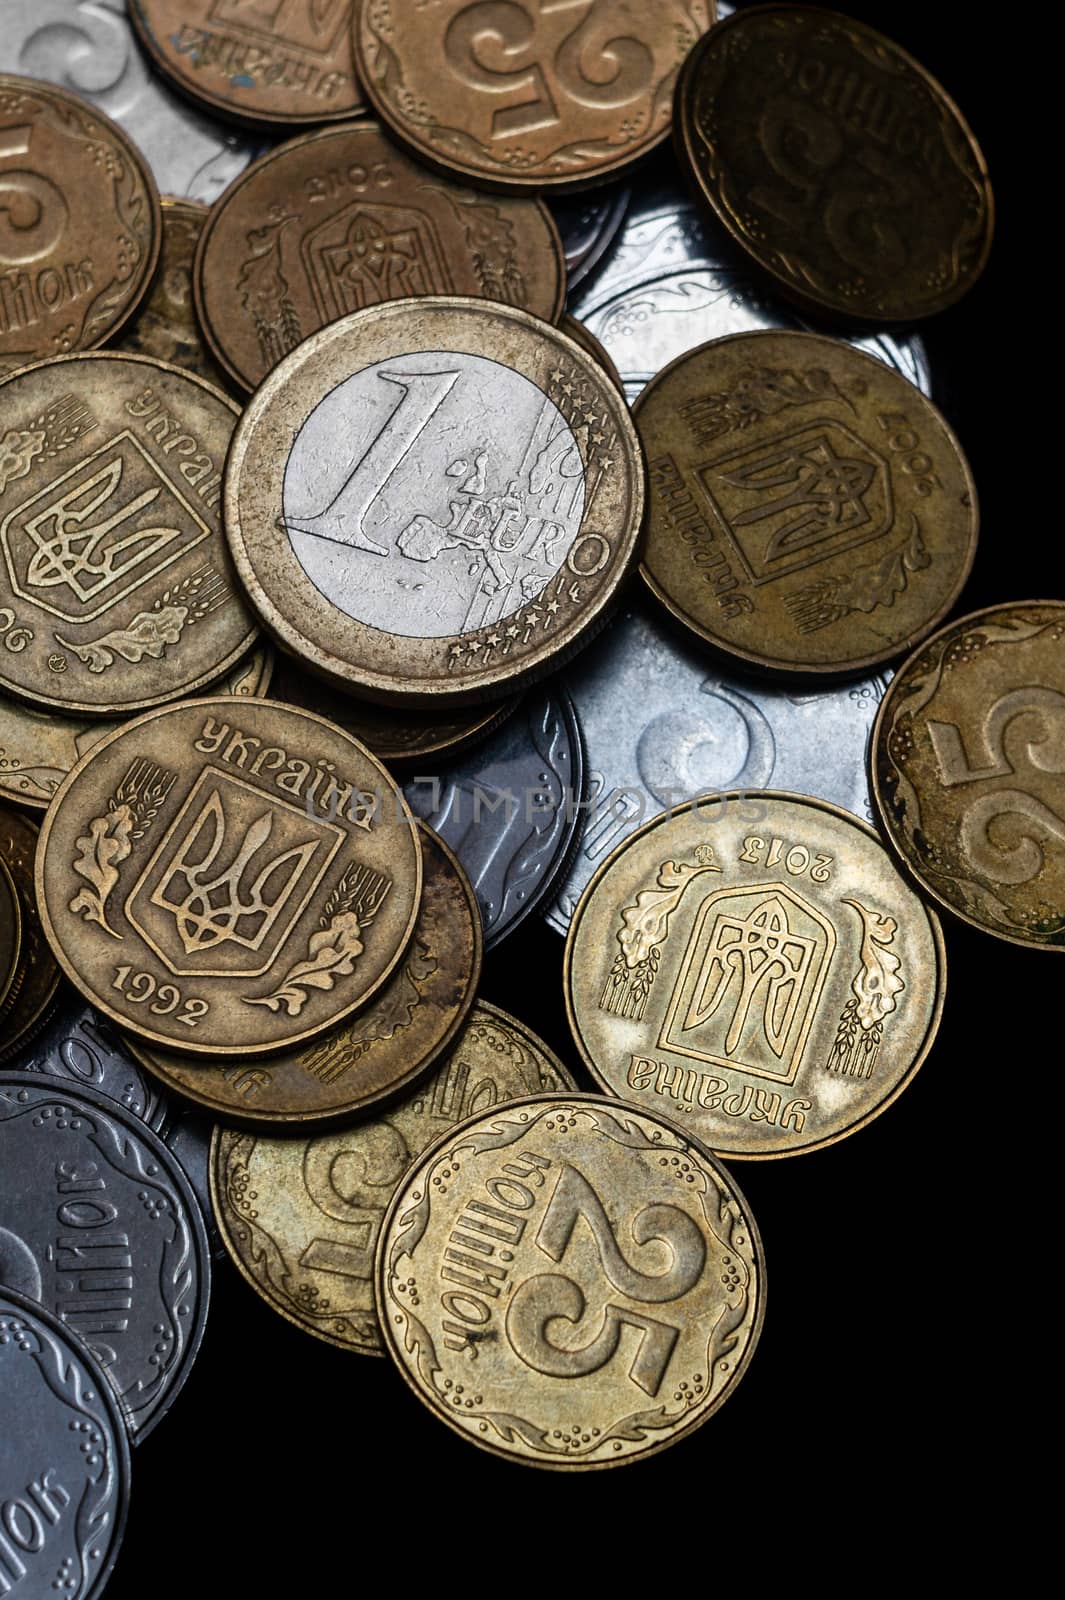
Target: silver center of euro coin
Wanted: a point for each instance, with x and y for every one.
(433, 494)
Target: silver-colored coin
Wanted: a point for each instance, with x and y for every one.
(88, 46)
(588, 224)
(669, 285)
(188, 1137)
(64, 1460)
(80, 1046)
(101, 1227)
(510, 809)
(662, 724)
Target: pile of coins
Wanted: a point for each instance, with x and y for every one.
(471, 516)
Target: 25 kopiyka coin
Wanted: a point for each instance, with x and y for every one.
(753, 966)
(837, 163)
(63, 1448)
(569, 1282)
(286, 65)
(117, 591)
(434, 500)
(317, 1204)
(516, 97)
(228, 877)
(341, 220)
(10, 931)
(808, 510)
(80, 226)
(968, 757)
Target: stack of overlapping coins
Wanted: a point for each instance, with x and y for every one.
(437, 512)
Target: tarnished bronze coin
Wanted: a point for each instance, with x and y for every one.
(396, 734)
(167, 328)
(434, 500)
(116, 587)
(228, 877)
(10, 931)
(753, 966)
(79, 225)
(570, 1283)
(517, 96)
(283, 63)
(33, 987)
(38, 748)
(341, 220)
(301, 1217)
(808, 509)
(967, 757)
(836, 161)
(588, 341)
(375, 1053)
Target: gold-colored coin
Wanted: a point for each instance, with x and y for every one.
(570, 1283)
(301, 1217)
(968, 754)
(836, 162)
(38, 748)
(167, 329)
(380, 1050)
(396, 542)
(754, 967)
(588, 341)
(398, 734)
(341, 220)
(117, 591)
(809, 510)
(281, 65)
(10, 932)
(33, 988)
(227, 876)
(519, 97)
(79, 230)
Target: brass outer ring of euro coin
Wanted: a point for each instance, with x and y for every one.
(305, 514)
(374, 1055)
(282, 224)
(10, 931)
(504, 1195)
(318, 882)
(969, 765)
(789, 909)
(724, 548)
(849, 258)
(317, 1202)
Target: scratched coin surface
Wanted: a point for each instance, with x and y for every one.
(88, 46)
(283, 64)
(570, 1283)
(101, 1226)
(227, 876)
(968, 756)
(662, 724)
(83, 1048)
(10, 931)
(340, 220)
(511, 809)
(808, 509)
(80, 227)
(385, 1046)
(836, 162)
(754, 967)
(395, 542)
(671, 282)
(301, 1217)
(518, 97)
(38, 748)
(167, 327)
(116, 586)
(64, 1459)
(33, 988)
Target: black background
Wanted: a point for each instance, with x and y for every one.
(893, 1364)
